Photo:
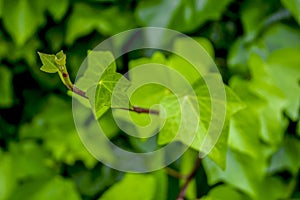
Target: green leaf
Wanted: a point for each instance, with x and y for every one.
(8, 179)
(132, 186)
(1, 8)
(233, 105)
(29, 161)
(97, 62)
(103, 93)
(49, 64)
(59, 187)
(241, 172)
(273, 187)
(283, 66)
(147, 96)
(55, 127)
(91, 182)
(298, 128)
(22, 18)
(6, 94)
(245, 126)
(183, 16)
(294, 7)
(58, 8)
(255, 15)
(85, 18)
(225, 192)
(100, 91)
(241, 50)
(286, 158)
(182, 110)
(54, 188)
(161, 183)
(55, 38)
(26, 52)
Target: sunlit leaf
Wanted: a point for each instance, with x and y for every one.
(132, 186)
(49, 64)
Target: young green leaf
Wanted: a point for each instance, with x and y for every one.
(100, 91)
(49, 64)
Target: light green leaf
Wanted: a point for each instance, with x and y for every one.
(29, 161)
(241, 171)
(21, 19)
(155, 94)
(56, 188)
(161, 183)
(233, 105)
(225, 192)
(271, 118)
(100, 91)
(206, 44)
(245, 126)
(6, 94)
(97, 62)
(103, 92)
(49, 64)
(283, 66)
(183, 110)
(8, 179)
(133, 187)
(294, 7)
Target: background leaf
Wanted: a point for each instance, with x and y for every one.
(130, 188)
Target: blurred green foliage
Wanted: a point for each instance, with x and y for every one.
(256, 45)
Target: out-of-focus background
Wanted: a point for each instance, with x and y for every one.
(256, 45)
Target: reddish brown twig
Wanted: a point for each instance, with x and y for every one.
(133, 109)
(189, 179)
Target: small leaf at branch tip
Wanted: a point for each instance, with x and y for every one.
(51, 62)
(60, 58)
(48, 61)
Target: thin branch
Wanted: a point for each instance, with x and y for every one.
(174, 173)
(136, 109)
(79, 92)
(189, 179)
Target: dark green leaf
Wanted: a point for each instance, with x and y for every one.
(294, 7)
(179, 15)
(6, 94)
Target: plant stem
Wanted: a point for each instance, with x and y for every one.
(174, 173)
(189, 179)
(136, 109)
(79, 92)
